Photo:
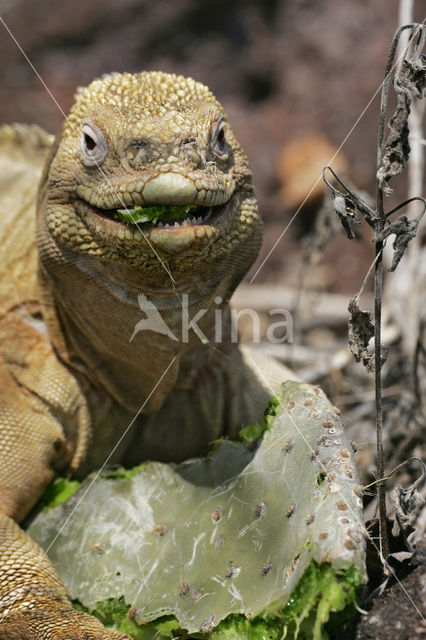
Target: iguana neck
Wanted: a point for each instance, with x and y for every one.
(92, 311)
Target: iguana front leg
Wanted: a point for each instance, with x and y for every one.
(34, 604)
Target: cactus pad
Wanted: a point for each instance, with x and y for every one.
(207, 545)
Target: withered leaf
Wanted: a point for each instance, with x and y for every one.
(406, 501)
(346, 211)
(404, 230)
(348, 206)
(409, 81)
(361, 330)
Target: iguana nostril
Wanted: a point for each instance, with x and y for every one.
(193, 155)
(139, 155)
(190, 150)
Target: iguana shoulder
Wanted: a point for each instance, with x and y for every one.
(36, 389)
(23, 151)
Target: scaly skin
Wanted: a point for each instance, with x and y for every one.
(71, 382)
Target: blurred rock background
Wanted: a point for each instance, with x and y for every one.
(299, 71)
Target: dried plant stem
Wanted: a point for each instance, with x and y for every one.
(403, 289)
(379, 225)
(381, 490)
(378, 289)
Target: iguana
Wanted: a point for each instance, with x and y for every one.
(75, 391)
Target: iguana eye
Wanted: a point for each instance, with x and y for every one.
(92, 144)
(218, 143)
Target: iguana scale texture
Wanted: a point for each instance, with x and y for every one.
(72, 381)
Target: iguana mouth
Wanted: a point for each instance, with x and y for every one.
(172, 228)
(166, 216)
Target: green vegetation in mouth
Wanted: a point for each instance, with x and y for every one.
(164, 212)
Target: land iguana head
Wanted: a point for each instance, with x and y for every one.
(141, 141)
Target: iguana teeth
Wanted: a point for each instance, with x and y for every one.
(188, 222)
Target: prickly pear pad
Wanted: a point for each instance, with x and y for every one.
(230, 534)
